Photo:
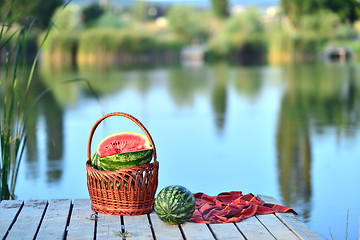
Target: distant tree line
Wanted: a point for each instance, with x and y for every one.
(42, 10)
(315, 24)
(348, 10)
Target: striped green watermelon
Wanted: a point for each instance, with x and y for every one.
(174, 204)
(122, 150)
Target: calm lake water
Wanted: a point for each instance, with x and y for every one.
(288, 131)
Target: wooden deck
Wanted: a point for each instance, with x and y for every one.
(67, 219)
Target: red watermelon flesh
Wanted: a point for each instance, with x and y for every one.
(123, 142)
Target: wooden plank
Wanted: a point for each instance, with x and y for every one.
(138, 227)
(253, 229)
(9, 210)
(82, 221)
(55, 219)
(28, 220)
(164, 231)
(297, 226)
(48, 221)
(198, 231)
(292, 222)
(108, 227)
(276, 227)
(226, 231)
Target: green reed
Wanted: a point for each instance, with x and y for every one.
(13, 39)
(347, 227)
(15, 82)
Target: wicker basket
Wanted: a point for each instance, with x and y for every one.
(128, 191)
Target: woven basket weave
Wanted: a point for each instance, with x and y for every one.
(128, 191)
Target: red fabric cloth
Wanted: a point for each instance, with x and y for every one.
(230, 207)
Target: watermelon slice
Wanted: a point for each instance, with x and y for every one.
(122, 150)
(122, 142)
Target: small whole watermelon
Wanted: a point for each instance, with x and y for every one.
(174, 204)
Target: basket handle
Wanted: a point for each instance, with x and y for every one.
(122, 115)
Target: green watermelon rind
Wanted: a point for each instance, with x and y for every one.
(122, 160)
(174, 204)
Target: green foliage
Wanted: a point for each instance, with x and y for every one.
(348, 10)
(140, 11)
(14, 89)
(279, 41)
(113, 41)
(66, 20)
(62, 41)
(312, 34)
(220, 8)
(295, 9)
(91, 13)
(188, 23)
(38, 11)
(241, 34)
(44, 11)
(109, 41)
(61, 47)
(15, 83)
(111, 20)
(245, 35)
(314, 31)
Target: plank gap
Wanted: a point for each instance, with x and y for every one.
(212, 232)
(182, 232)
(122, 226)
(289, 227)
(68, 220)
(237, 227)
(14, 220)
(122, 222)
(41, 220)
(151, 226)
(96, 222)
(265, 227)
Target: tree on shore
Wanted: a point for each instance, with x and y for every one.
(39, 11)
(220, 8)
(91, 13)
(348, 10)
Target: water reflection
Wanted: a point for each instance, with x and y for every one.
(51, 109)
(183, 83)
(105, 81)
(294, 155)
(219, 95)
(248, 81)
(53, 114)
(317, 97)
(32, 143)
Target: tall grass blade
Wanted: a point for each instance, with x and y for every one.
(15, 108)
(347, 225)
